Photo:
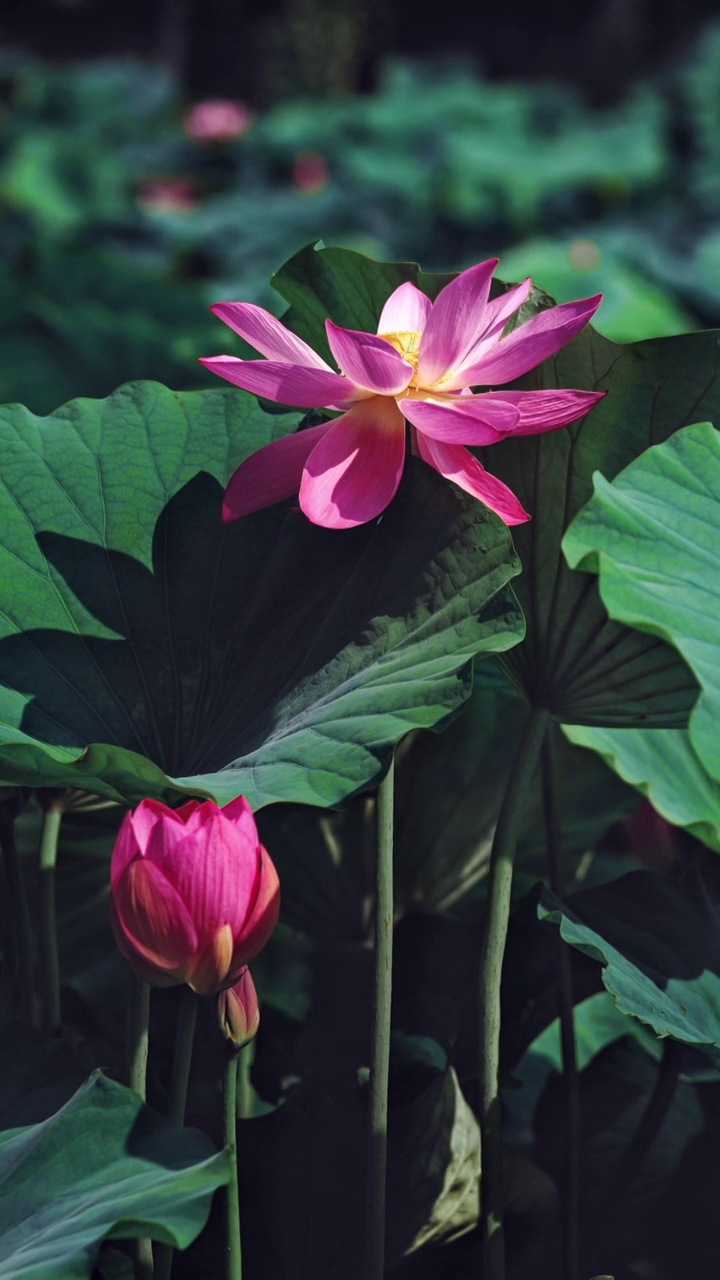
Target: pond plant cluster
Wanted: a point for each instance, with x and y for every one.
(361, 798)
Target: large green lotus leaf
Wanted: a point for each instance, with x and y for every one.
(660, 952)
(102, 1166)
(663, 764)
(586, 668)
(653, 536)
(145, 647)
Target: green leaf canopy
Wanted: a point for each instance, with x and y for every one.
(147, 649)
(653, 535)
(102, 1166)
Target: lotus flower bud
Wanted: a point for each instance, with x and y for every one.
(195, 895)
(239, 1012)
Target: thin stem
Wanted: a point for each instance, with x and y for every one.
(507, 833)
(136, 1048)
(137, 1035)
(245, 1091)
(47, 931)
(184, 1036)
(234, 1248)
(376, 1172)
(564, 978)
(19, 914)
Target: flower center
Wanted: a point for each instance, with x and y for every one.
(407, 344)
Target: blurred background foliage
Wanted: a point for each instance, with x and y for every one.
(127, 209)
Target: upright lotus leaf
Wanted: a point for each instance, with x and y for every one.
(653, 536)
(664, 766)
(587, 669)
(148, 649)
(659, 949)
(103, 1166)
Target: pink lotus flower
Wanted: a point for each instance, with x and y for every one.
(218, 120)
(194, 893)
(419, 367)
(239, 1011)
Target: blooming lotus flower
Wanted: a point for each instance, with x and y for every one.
(239, 1012)
(218, 120)
(420, 368)
(194, 893)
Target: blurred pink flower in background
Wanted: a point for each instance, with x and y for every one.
(167, 195)
(420, 368)
(239, 1011)
(310, 172)
(195, 895)
(218, 120)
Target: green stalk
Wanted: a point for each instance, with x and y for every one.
(245, 1091)
(19, 915)
(184, 1036)
(376, 1171)
(138, 1022)
(234, 1247)
(564, 978)
(47, 931)
(507, 833)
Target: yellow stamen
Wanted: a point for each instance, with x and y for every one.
(407, 344)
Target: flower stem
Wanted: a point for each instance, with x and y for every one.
(19, 915)
(234, 1248)
(564, 978)
(187, 1015)
(136, 1048)
(376, 1171)
(182, 1058)
(47, 931)
(507, 833)
(245, 1091)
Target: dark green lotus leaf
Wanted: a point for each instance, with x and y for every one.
(653, 536)
(147, 649)
(586, 668)
(660, 950)
(103, 1166)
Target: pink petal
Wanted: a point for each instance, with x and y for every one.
(239, 813)
(369, 361)
(354, 472)
(462, 420)
(406, 311)
(216, 872)
(291, 384)
(456, 319)
(546, 410)
(262, 917)
(126, 848)
(497, 360)
(272, 474)
(155, 828)
(151, 919)
(456, 464)
(211, 967)
(267, 335)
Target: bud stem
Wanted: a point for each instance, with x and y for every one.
(376, 1169)
(182, 1058)
(234, 1246)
